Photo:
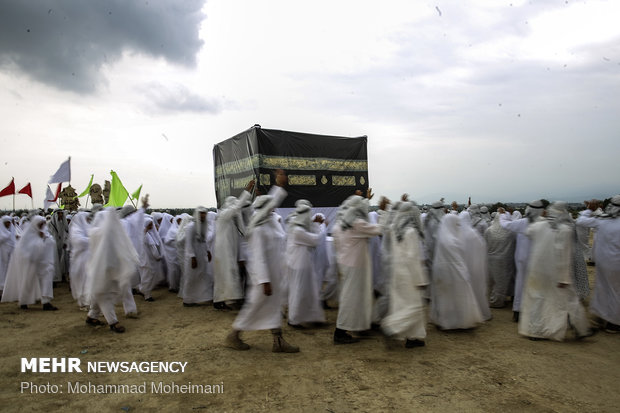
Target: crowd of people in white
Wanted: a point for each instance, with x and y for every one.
(388, 269)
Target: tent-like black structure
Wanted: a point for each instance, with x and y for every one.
(322, 169)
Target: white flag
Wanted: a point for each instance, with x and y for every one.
(63, 174)
(49, 199)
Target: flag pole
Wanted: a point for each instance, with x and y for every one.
(13, 201)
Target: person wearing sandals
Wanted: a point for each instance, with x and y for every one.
(262, 307)
(112, 262)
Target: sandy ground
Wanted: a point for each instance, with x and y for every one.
(490, 369)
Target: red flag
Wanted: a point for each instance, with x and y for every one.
(27, 190)
(9, 190)
(57, 193)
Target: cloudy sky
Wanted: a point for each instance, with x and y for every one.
(498, 100)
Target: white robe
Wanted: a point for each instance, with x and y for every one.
(197, 285)
(78, 239)
(330, 279)
(304, 305)
(7, 244)
(500, 261)
(453, 302)
(522, 252)
(58, 230)
(406, 318)
(134, 228)
(356, 293)
(475, 254)
(111, 264)
(30, 275)
(605, 302)
(265, 264)
(150, 263)
(170, 252)
(227, 283)
(547, 309)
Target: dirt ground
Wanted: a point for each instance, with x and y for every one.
(490, 369)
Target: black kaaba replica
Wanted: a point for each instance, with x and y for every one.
(322, 169)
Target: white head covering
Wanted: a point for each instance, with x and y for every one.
(79, 226)
(7, 234)
(357, 208)
(166, 222)
(113, 258)
(301, 216)
(534, 210)
(262, 212)
(200, 228)
(437, 211)
(186, 219)
(407, 216)
(613, 209)
(557, 213)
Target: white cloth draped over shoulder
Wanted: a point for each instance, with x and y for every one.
(475, 254)
(453, 302)
(150, 263)
(304, 305)
(170, 253)
(605, 301)
(406, 317)
(7, 244)
(501, 261)
(31, 269)
(112, 258)
(229, 228)
(78, 239)
(197, 286)
(547, 309)
(352, 253)
(265, 265)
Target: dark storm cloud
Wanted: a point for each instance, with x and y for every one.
(177, 98)
(64, 43)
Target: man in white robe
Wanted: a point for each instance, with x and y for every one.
(112, 262)
(304, 305)
(170, 252)
(500, 261)
(431, 225)
(518, 226)
(406, 318)
(453, 301)
(150, 262)
(475, 254)
(132, 221)
(7, 244)
(320, 257)
(356, 293)
(197, 285)
(59, 230)
(550, 303)
(78, 240)
(478, 221)
(30, 275)
(229, 227)
(262, 307)
(605, 301)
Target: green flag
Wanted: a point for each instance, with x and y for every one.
(87, 190)
(136, 194)
(118, 193)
